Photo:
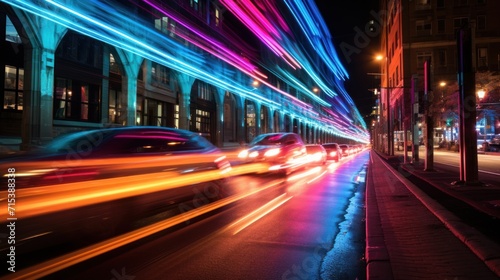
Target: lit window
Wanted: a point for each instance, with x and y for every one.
(76, 100)
(217, 17)
(160, 74)
(13, 88)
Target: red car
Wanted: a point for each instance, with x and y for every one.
(284, 151)
(345, 150)
(317, 154)
(333, 151)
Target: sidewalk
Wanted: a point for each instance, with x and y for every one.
(410, 236)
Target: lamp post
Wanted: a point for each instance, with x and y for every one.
(481, 93)
(442, 85)
(378, 94)
(390, 145)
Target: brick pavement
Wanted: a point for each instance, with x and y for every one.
(406, 240)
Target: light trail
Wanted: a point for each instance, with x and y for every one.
(259, 213)
(51, 266)
(268, 24)
(49, 199)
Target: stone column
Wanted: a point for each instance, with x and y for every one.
(185, 84)
(39, 61)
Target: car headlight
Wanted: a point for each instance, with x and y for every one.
(272, 152)
(243, 154)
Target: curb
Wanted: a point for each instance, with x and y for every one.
(378, 265)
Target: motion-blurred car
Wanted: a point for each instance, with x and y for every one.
(316, 154)
(333, 151)
(284, 151)
(104, 181)
(345, 150)
(105, 153)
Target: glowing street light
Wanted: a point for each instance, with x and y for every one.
(481, 93)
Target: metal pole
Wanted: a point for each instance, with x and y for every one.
(467, 102)
(484, 117)
(414, 119)
(390, 137)
(429, 122)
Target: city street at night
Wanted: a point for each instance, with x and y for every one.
(224, 139)
(308, 225)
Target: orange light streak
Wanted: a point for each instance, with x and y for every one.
(51, 266)
(47, 199)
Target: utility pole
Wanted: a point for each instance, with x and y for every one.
(467, 109)
(414, 119)
(429, 122)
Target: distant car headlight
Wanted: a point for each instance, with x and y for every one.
(332, 154)
(272, 152)
(243, 154)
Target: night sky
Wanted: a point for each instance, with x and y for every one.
(346, 20)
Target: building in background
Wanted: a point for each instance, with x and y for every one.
(417, 31)
(227, 71)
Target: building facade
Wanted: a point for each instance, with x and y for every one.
(414, 32)
(225, 71)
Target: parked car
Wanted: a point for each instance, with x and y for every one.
(284, 151)
(494, 144)
(345, 150)
(316, 154)
(97, 183)
(333, 151)
(481, 144)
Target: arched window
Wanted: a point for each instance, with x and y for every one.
(78, 82)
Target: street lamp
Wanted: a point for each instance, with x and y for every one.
(387, 86)
(481, 93)
(442, 85)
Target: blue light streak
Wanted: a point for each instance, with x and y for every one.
(106, 23)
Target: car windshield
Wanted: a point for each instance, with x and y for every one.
(268, 139)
